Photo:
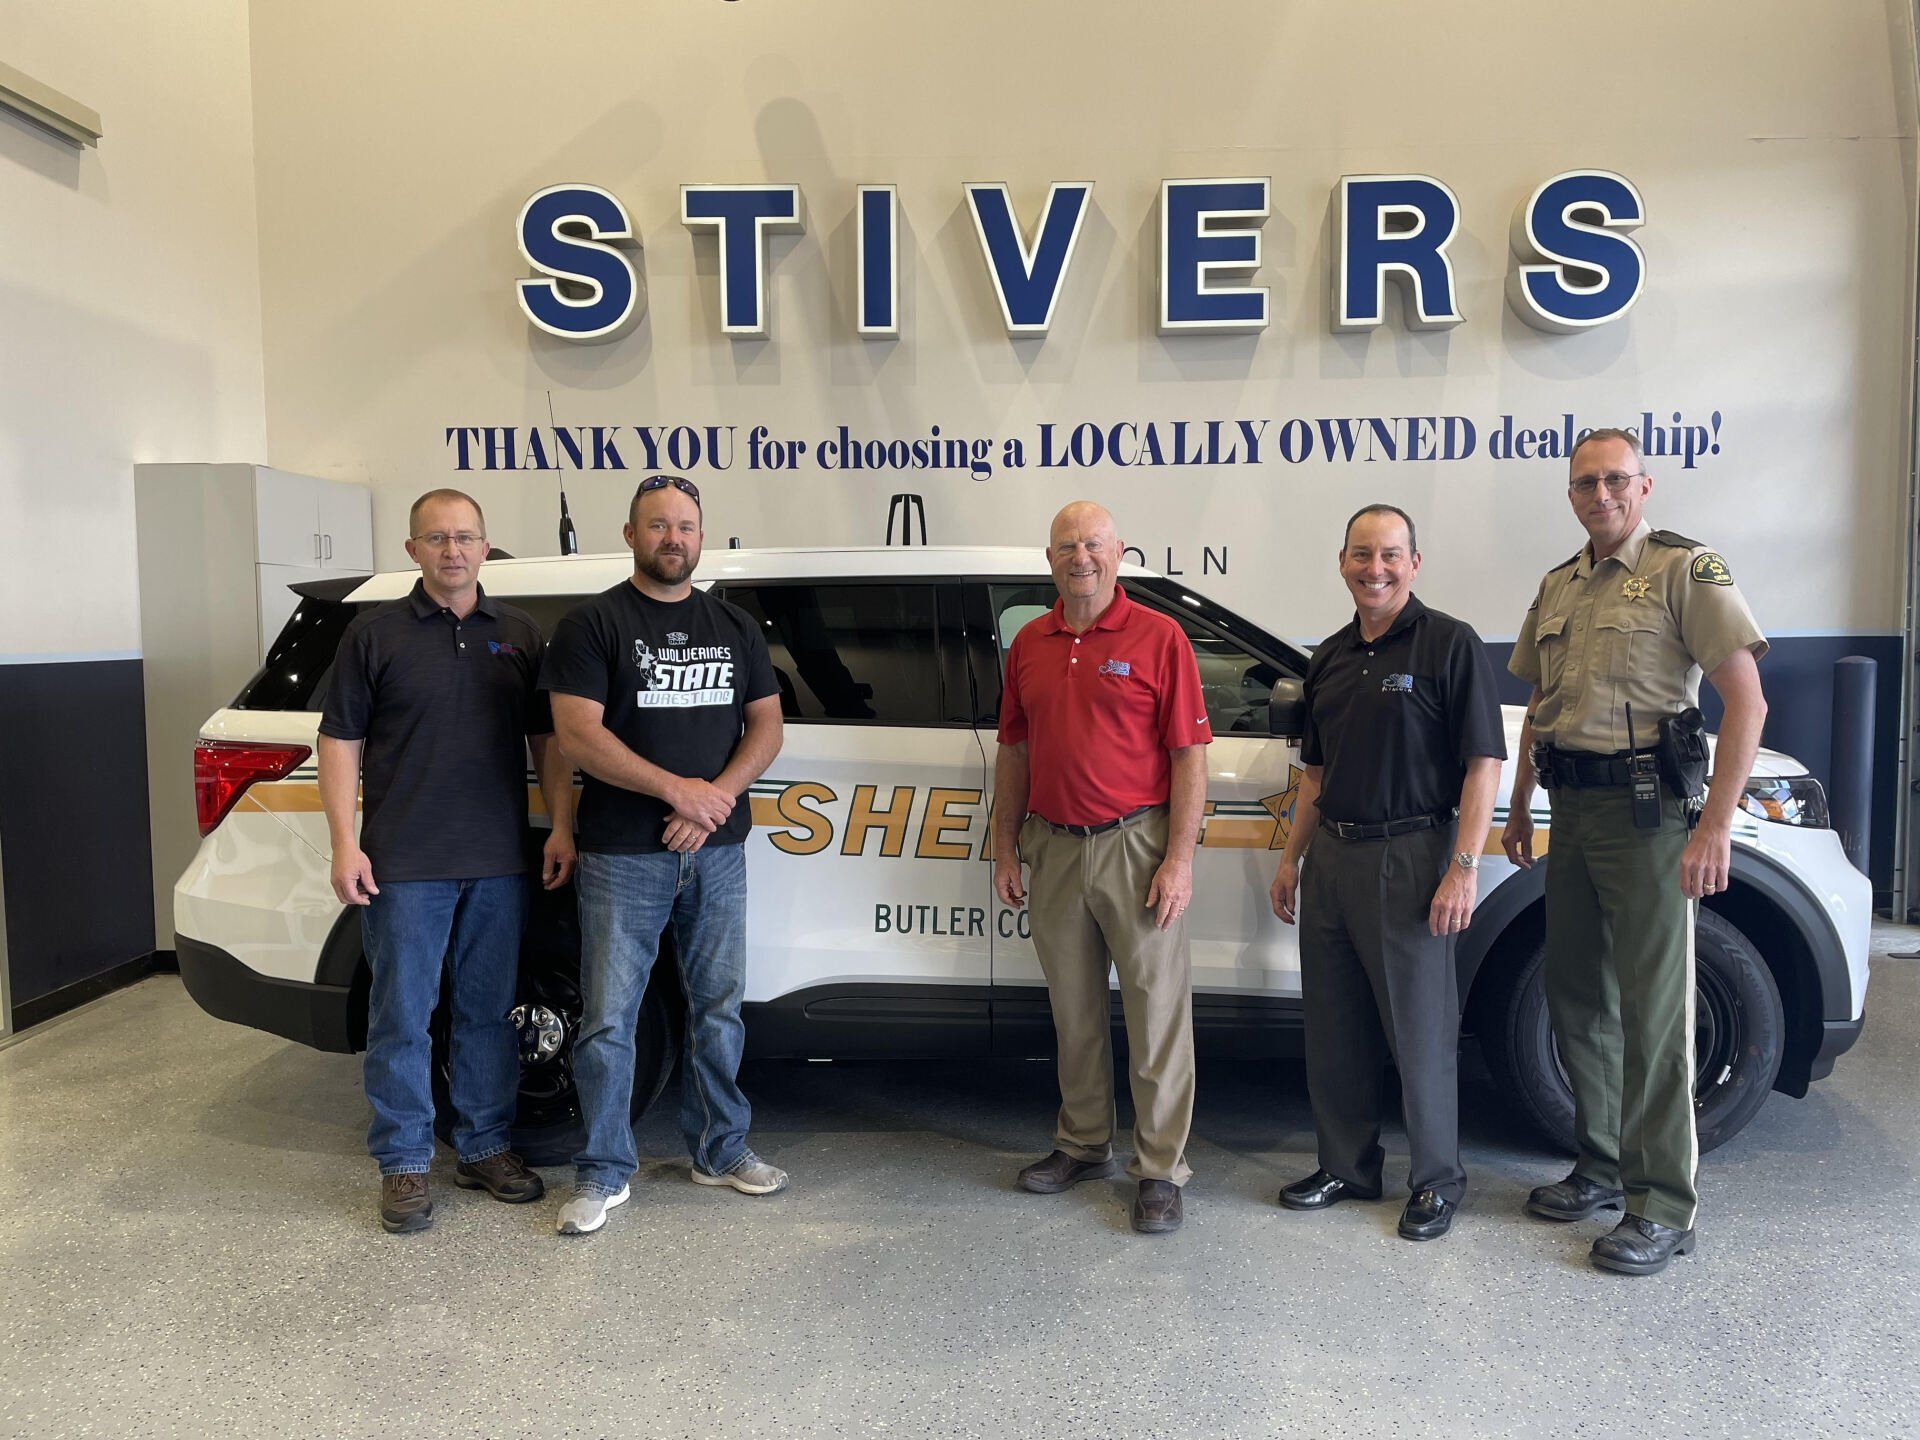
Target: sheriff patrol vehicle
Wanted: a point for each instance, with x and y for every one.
(873, 930)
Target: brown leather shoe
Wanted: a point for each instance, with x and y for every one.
(1156, 1209)
(504, 1176)
(405, 1205)
(1060, 1171)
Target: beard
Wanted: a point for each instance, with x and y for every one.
(667, 569)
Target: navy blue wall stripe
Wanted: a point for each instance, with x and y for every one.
(73, 822)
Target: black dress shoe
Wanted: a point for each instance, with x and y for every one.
(1321, 1189)
(1156, 1208)
(1428, 1216)
(1060, 1171)
(1640, 1247)
(1574, 1198)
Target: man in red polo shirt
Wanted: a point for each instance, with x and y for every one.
(1100, 783)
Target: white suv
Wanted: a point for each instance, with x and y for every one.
(873, 929)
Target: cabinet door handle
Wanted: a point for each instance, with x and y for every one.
(316, 544)
(329, 542)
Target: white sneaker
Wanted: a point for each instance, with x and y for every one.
(752, 1176)
(586, 1213)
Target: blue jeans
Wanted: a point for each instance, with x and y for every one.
(410, 928)
(626, 901)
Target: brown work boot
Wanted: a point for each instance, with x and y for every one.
(1060, 1171)
(504, 1176)
(1156, 1209)
(405, 1205)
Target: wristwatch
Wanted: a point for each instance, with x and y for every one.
(1467, 860)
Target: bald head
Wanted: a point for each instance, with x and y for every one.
(1083, 551)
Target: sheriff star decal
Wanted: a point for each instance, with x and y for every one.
(1710, 569)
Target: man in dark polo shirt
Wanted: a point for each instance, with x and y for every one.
(665, 696)
(1403, 729)
(432, 707)
(1099, 787)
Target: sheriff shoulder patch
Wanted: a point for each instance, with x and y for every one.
(1710, 569)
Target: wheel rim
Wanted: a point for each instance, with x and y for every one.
(546, 1021)
(1718, 1038)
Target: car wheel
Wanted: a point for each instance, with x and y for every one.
(547, 1008)
(1739, 1037)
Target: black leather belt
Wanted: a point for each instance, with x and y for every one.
(1105, 825)
(1583, 770)
(1386, 829)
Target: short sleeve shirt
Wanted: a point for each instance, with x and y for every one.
(1638, 628)
(1393, 721)
(444, 704)
(1100, 711)
(675, 678)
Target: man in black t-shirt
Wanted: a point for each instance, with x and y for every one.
(665, 697)
(1403, 729)
(432, 708)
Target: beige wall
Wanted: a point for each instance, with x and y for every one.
(1772, 142)
(129, 299)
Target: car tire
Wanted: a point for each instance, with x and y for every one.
(1739, 1037)
(548, 1128)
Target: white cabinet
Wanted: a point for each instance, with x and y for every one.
(218, 546)
(304, 520)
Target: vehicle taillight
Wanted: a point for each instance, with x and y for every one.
(223, 769)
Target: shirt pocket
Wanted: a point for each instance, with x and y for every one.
(1630, 641)
(1550, 640)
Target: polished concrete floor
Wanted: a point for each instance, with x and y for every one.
(188, 1246)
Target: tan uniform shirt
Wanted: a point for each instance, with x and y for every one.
(1639, 628)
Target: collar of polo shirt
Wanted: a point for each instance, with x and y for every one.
(1113, 617)
(1409, 612)
(424, 607)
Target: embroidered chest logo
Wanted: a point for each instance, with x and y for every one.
(1397, 685)
(1116, 667)
(502, 647)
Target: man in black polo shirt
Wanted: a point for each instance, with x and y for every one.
(1403, 727)
(433, 704)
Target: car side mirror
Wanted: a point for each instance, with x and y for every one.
(1287, 709)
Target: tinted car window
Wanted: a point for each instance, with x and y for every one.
(1235, 681)
(850, 652)
(300, 660)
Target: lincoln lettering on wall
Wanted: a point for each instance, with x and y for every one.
(1575, 263)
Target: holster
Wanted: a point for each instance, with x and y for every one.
(1681, 751)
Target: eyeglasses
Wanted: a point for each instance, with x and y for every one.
(660, 482)
(1616, 481)
(439, 539)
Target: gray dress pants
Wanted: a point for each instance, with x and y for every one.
(1375, 984)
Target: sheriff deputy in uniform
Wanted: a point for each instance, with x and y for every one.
(1614, 647)
(1403, 726)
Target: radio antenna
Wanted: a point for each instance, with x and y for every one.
(569, 541)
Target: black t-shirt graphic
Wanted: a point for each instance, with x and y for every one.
(675, 679)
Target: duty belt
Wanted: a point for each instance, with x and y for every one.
(1386, 829)
(1105, 825)
(1582, 770)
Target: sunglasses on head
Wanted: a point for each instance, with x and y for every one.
(660, 482)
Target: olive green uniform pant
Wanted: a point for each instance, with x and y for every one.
(1619, 973)
(1088, 896)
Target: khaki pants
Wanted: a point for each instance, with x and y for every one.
(1088, 896)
